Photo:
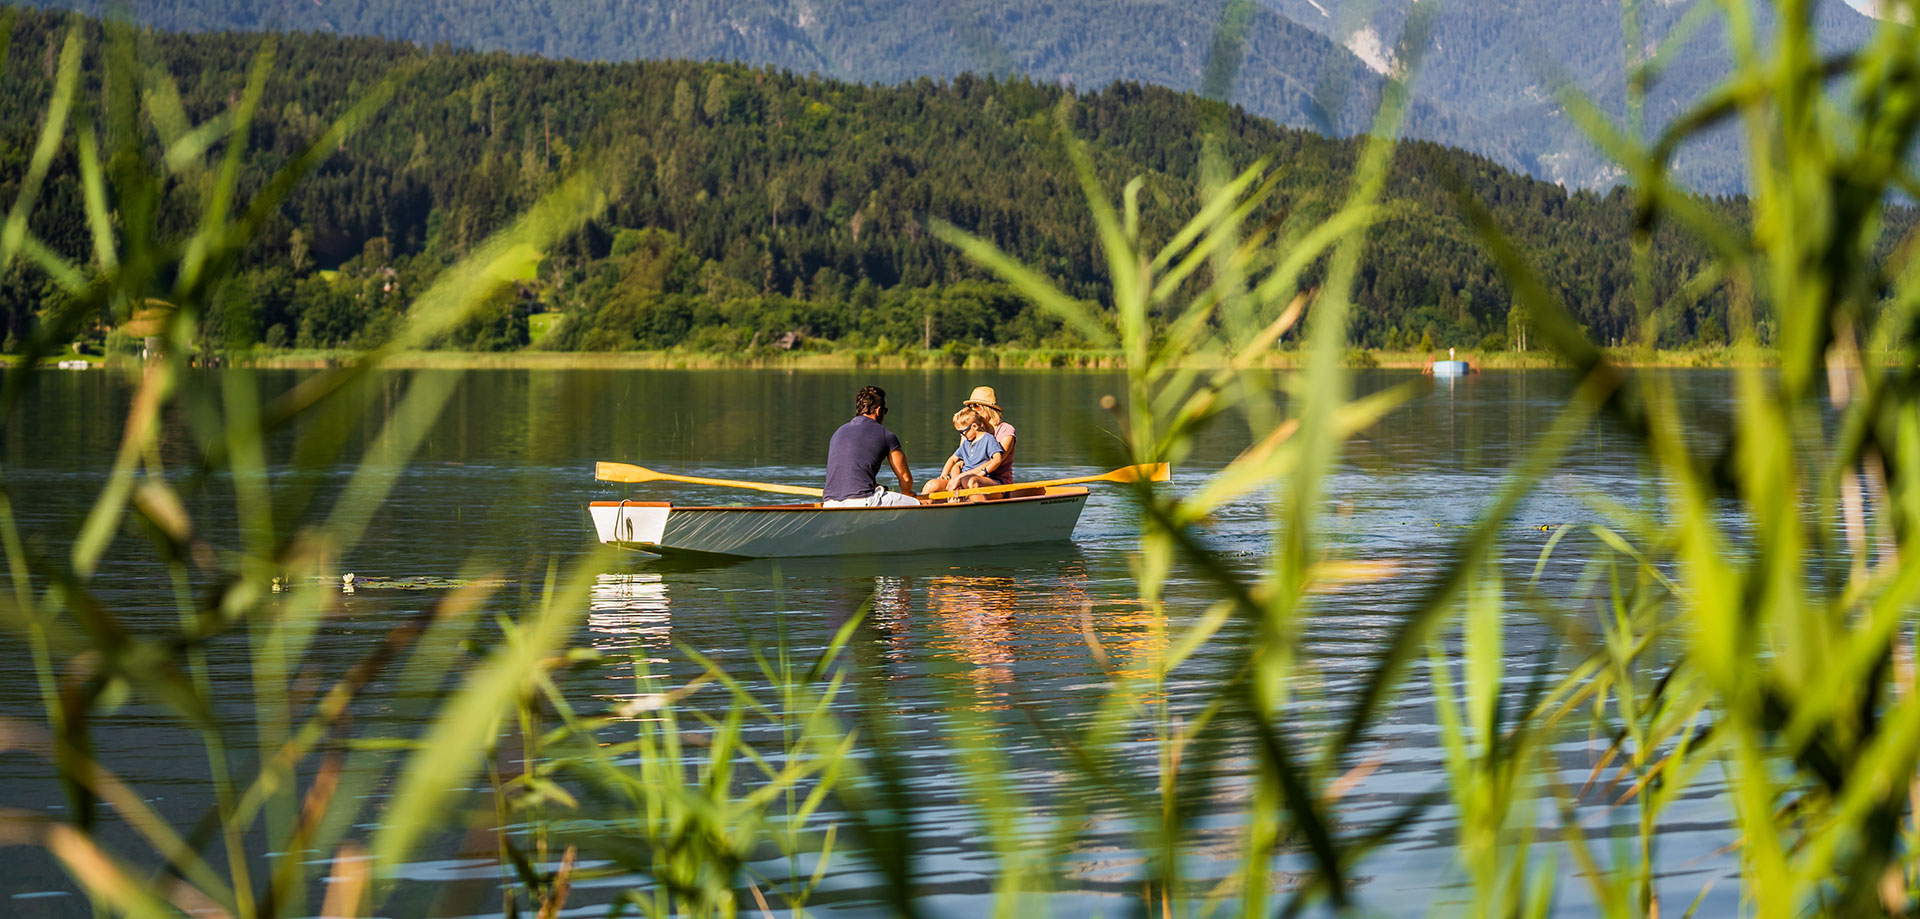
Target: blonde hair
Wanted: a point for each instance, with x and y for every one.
(984, 412)
(967, 417)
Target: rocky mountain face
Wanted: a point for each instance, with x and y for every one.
(1507, 63)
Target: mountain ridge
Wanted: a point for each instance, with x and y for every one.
(1506, 61)
(1487, 79)
(1286, 72)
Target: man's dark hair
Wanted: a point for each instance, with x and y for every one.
(869, 398)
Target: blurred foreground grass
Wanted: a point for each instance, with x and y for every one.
(1709, 636)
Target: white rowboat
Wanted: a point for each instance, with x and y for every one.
(792, 530)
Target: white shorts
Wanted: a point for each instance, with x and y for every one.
(881, 497)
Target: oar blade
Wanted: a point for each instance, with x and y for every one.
(623, 472)
(1151, 472)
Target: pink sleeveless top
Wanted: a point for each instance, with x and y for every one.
(1004, 474)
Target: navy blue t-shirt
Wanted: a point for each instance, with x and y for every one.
(854, 455)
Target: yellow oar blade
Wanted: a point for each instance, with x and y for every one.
(625, 472)
(1152, 472)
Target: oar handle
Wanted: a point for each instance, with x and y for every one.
(986, 490)
(756, 486)
(631, 474)
(1152, 472)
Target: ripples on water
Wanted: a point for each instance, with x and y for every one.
(1006, 634)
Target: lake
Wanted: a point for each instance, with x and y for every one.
(499, 486)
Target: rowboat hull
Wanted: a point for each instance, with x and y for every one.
(795, 530)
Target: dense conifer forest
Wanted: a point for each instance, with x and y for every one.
(755, 208)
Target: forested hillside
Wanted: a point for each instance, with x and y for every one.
(750, 205)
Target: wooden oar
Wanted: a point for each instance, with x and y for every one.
(623, 472)
(1152, 472)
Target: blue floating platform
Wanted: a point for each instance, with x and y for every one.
(1451, 368)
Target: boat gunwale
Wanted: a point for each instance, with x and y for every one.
(1053, 493)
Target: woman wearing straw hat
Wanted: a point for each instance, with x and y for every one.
(987, 405)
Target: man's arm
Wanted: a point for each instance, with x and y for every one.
(898, 461)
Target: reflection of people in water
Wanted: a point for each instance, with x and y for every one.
(1007, 626)
(977, 613)
(1002, 626)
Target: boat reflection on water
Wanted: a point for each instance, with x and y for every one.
(1008, 623)
(891, 616)
(628, 613)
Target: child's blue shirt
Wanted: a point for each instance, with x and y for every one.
(978, 450)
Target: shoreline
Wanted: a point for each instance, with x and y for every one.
(981, 359)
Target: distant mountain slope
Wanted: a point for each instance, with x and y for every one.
(1288, 73)
(1485, 80)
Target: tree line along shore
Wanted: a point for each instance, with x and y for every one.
(979, 359)
(753, 210)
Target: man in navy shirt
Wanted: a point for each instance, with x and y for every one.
(854, 455)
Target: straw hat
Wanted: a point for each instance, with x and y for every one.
(983, 395)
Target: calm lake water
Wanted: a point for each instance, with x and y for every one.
(502, 479)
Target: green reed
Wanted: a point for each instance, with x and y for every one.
(294, 777)
(1749, 621)
(689, 819)
(1723, 647)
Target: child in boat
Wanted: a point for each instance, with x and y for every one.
(987, 405)
(972, 465)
